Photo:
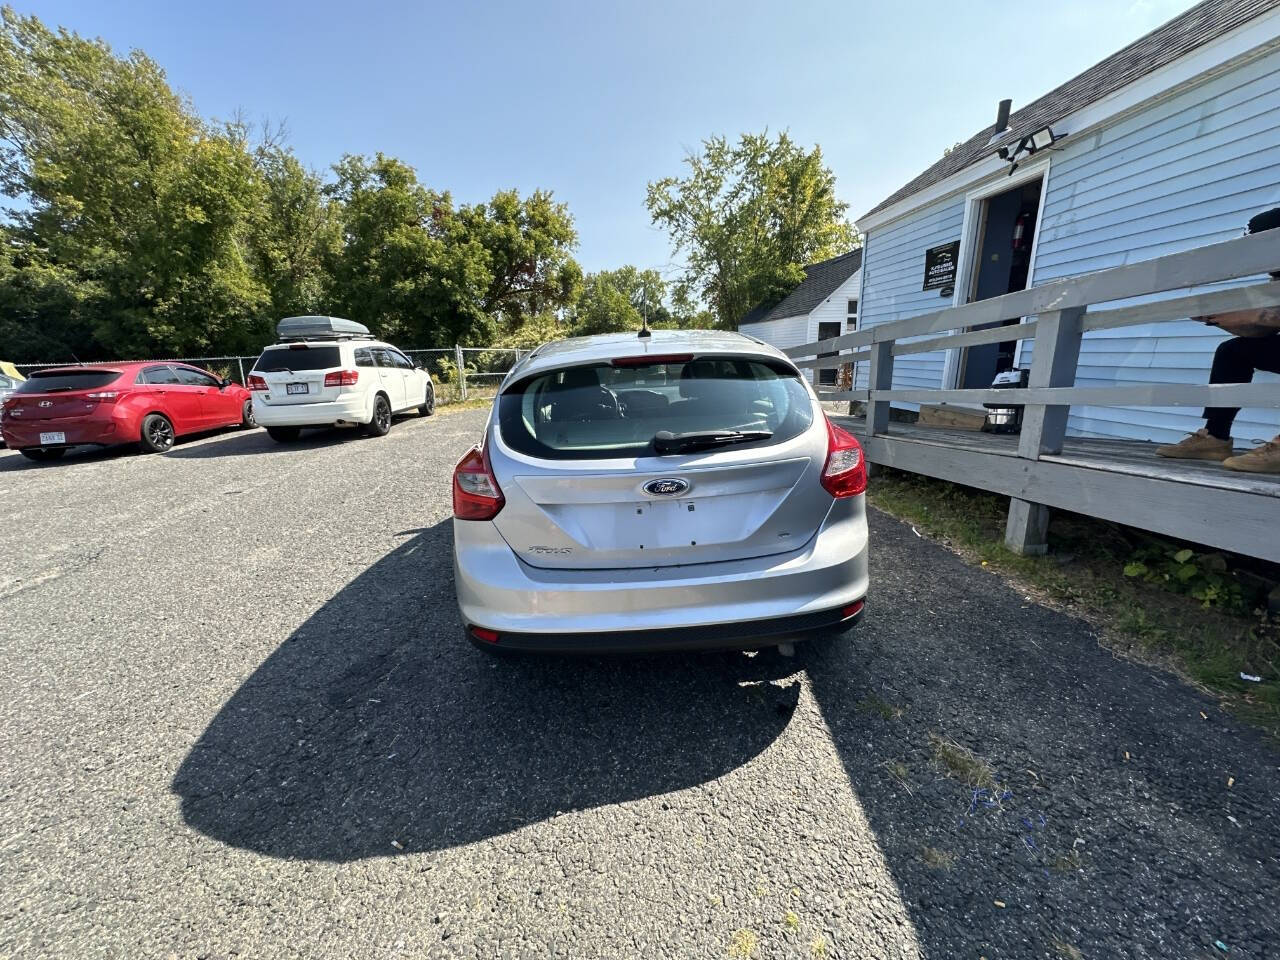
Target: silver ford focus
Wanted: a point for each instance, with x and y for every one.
(682, 490)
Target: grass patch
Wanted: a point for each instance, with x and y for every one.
(937, 859)
(1194, 610)
(1067, 862)
(958, 761)
(743, 944)
(471, 403)
(873, 704)
(818, 946)
(792, 920)
(899, 774)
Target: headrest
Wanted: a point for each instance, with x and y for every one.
(580, 377)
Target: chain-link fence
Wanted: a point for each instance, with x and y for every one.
(459, 373)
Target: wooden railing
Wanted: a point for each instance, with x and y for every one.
(1056, 316)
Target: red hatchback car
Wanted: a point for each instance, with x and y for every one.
(150, 404)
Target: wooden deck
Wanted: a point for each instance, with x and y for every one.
(1116, 480)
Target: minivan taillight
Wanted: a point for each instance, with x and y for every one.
(341, 378)
(845, 472)
(256, 382)
(476, 494)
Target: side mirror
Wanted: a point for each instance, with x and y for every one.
(226, 382)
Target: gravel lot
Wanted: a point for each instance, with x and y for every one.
(239, 719)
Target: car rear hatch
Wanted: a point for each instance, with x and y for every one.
(61, 394)
(295, 373)
(733, 472)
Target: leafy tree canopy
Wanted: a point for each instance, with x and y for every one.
(747, 217)
(619, 300)
(136, 205)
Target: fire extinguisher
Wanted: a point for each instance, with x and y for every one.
(1020, 238)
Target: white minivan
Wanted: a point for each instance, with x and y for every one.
(327, 371)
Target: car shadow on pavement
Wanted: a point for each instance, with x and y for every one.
(250, 442)
(376, 728)
(1033, 794)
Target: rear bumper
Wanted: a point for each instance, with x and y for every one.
(744, 635)
(96, 431)
(354, 409)
(703, 605)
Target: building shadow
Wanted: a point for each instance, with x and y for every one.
(376, 728)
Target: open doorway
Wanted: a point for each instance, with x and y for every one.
(1002, 264)
(827, 329)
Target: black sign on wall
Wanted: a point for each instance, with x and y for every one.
(940, 266)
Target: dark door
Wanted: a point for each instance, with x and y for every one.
(1002, 266)
(826, 330)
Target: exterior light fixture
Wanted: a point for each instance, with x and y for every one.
(1032, 143)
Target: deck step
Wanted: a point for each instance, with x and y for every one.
(952, 416)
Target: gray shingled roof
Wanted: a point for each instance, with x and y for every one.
(820, 281)
(1161, 46)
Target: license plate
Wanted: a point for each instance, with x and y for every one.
(292, 388)
(53, 438)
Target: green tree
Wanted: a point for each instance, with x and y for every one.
(414, 267)
(619, 300)
(405, 265)
(295, 233)
(528, 248)
(139, 207)
(747, 218)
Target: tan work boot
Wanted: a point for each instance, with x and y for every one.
(1265, 458)
(1196, 446)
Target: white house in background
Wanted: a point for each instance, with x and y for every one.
(824, 305)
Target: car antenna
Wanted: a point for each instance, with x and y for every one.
(645, 332)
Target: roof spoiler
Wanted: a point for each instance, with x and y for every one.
(320, 328)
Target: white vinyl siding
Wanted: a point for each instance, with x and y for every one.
(787, 332)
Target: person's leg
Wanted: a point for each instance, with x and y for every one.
(1265, 458)
(1233, 362)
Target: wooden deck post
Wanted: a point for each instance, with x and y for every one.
(879, 377)
(1057, 351)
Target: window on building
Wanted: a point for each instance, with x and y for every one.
(852, 315)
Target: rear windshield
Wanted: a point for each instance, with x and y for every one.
(298, 357)
(604, 411)
(56, 381)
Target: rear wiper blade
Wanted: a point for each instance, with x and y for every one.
(664, 441)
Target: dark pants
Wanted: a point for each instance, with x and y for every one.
(1234, 362)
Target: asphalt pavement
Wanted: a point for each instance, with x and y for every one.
(239, 720)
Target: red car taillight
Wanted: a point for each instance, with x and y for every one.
(341, 378)
(476, 494)
(256, 382)
(103, 396)
(845, 472)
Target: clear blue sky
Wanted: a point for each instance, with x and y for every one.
(594, 99)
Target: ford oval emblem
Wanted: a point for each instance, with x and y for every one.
(666, 487)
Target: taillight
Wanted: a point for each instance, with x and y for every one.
(476, 494)
(341, 378)
(256, 382)
(845, 472)
(103, 396)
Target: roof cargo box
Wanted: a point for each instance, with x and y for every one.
(319, 328)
